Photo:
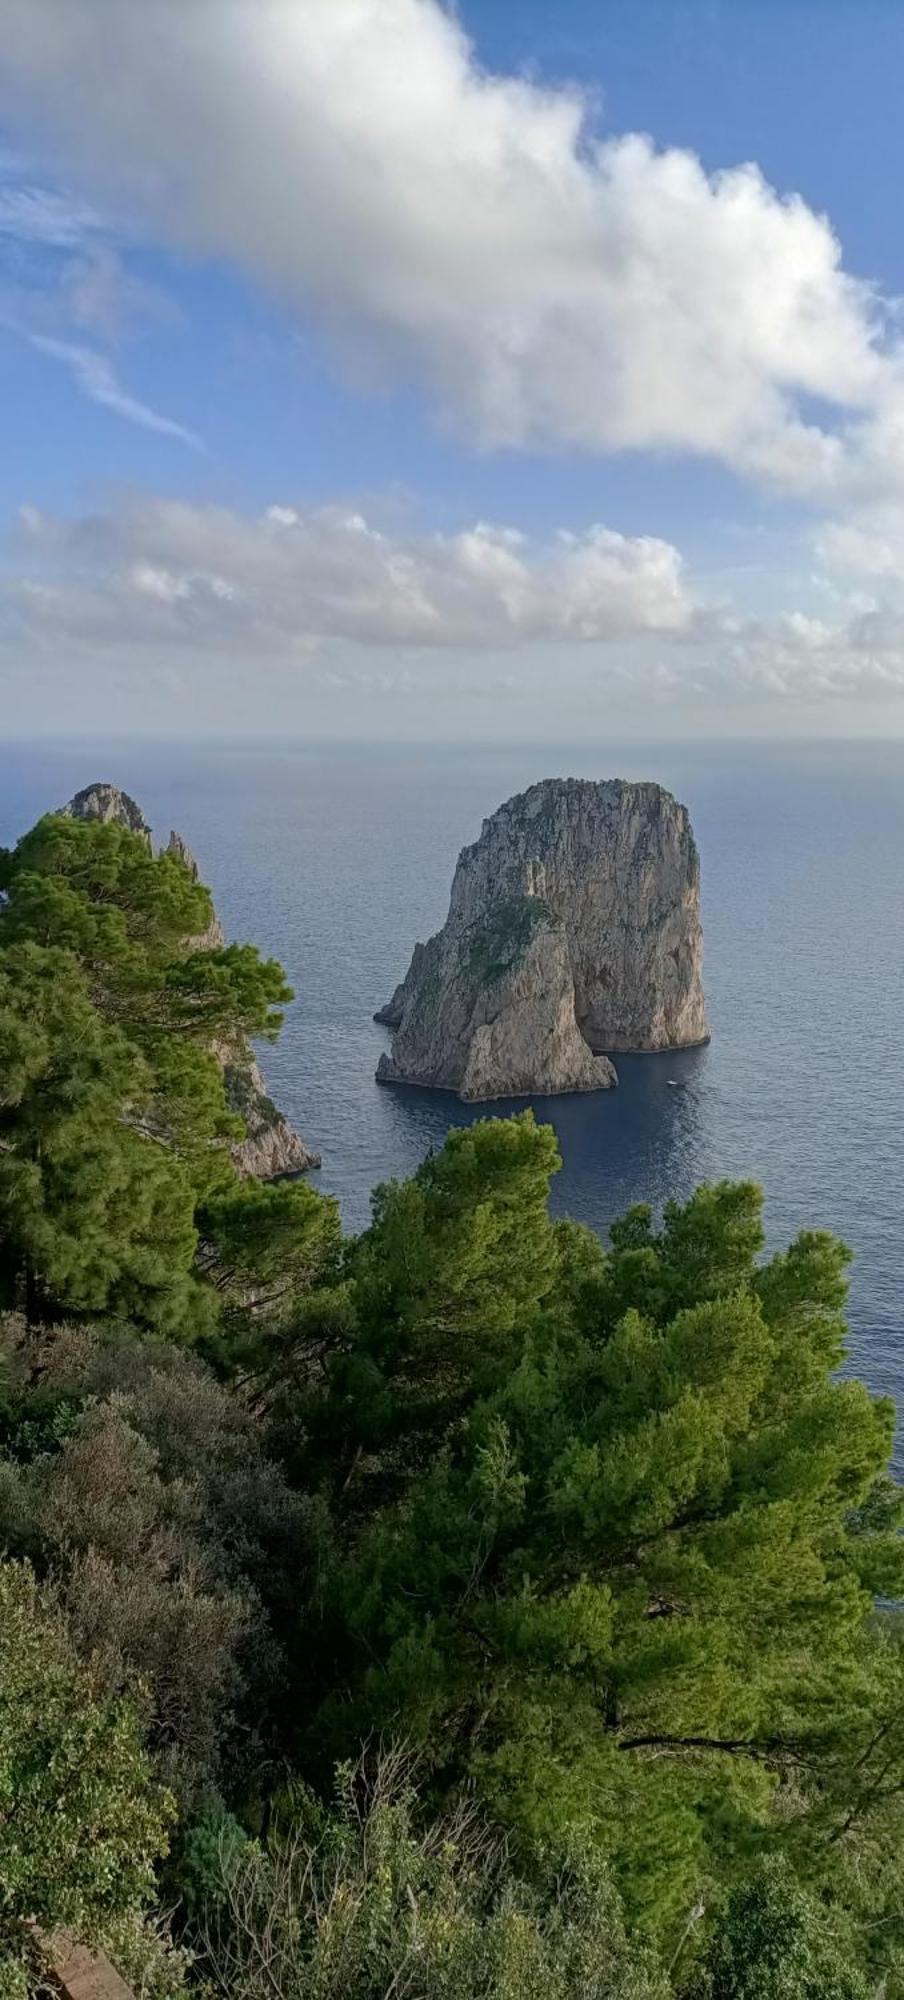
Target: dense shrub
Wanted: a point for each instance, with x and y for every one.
(176, 1548)
(363, 1903)
(82, 1820)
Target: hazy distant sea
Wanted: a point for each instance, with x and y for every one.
(337, 859)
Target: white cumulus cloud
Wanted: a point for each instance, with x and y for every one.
(166, 570)
(471, 232)
(321, 594)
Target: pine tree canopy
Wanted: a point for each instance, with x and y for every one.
(630, 1522)
(114, 1026)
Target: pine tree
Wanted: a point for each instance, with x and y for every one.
(630, 1587)
(114, 1126)
(96, 1214)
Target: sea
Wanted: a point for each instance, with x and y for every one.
(337, 858)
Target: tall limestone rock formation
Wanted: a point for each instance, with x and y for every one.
(573, 933)
(271, 1145)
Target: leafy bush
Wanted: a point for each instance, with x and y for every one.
(776, 1943)
(175, 1545)
(83, 1820)
(365, 1903)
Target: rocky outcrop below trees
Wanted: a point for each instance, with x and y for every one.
(573, 934)
(271, 1146)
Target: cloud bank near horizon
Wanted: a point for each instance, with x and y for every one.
(166, 572)
(294, 599)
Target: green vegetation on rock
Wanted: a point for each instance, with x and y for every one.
(500, 940)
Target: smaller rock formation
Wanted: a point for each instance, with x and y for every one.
(214, 937)
(180, 851)
(271, 1146)
(573, 932)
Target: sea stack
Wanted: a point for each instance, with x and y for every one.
(271, 1147)
(573, 934)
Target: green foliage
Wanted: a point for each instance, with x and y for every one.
(267, 1244)
(703, 1250)
(224, 994)
(176, 1548)
(94, 1212)
(776, 1943)
(98, 890)
(142, 1950)
(207, 1855)
(366, 1903)
(502, 939)
(131, 920)
(115, 1026)
(82, 1821)
(627, 1593)
(465, 1246)
(453, 1263)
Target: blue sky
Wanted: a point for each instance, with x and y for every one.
(361, 375)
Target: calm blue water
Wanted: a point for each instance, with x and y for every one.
(338, 859)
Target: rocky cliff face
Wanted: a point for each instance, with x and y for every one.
(214, 938)
(271, 1145)
(573, 933)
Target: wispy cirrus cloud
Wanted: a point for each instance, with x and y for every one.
(64, 276)
(47, 218)
(94, 375)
